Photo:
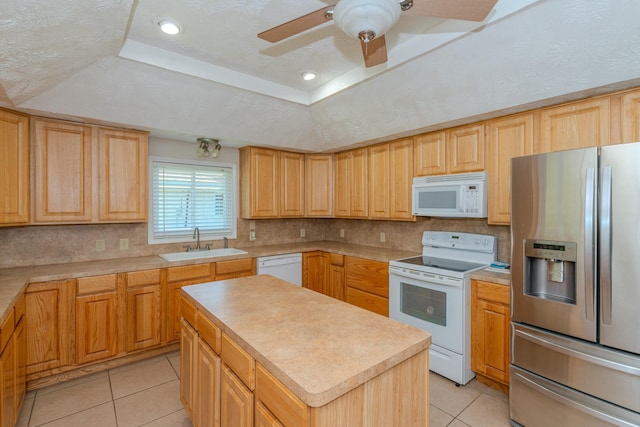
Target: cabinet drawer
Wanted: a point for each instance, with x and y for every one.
(189, 272)
(367, 275)
(143, 278)
(368, 301)
(234, 266)
(240, 362)
(286, 407)
(493, 292)
(336, 259)
(91, 285)
(188, 311)
(209, 332)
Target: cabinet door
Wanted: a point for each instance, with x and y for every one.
(577, 125)
(490, 330)
(62, 171)
(122, 175)
(630, 116)
(430, 156)
(177, 277)
(143, 317)
(14, 168)
(379, 186)
(319, 185)
(208, 387)
(236, 401)
(7, 385)
(188, 367)
(96, 327)
(359, 183)
(315, 268)
(400, 179)
(465, 146)
(50, 325)
(20, 348)
(336, 282)
(506, 138)
(259, 182)
(291, 184)
(342, 192)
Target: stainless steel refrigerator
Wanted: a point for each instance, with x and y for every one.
(575, 303)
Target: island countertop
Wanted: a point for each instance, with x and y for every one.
(317, 346)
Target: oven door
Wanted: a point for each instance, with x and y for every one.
(431, 302)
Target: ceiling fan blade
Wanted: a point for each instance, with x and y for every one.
(374, 52)
(296, 26)
(468, 10)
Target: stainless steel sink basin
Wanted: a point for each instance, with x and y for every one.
(212, 253)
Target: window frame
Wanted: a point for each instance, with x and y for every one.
(204, 236)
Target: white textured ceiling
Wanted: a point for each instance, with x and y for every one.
(105, 60)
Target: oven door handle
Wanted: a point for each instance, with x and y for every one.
(421, 276)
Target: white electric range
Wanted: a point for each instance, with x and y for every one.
(431, 292)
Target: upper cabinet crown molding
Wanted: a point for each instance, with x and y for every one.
(14, 168)
(86, 173)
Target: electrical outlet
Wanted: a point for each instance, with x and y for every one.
(252, 234)
(342, 232)
(303, 232)
(124, 244)
(100, 245)
(252, 224)
(383, 238)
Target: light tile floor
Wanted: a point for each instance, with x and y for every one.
(147, 394)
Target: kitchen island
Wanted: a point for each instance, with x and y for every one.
(260, 350)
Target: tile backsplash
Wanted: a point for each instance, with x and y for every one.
(37, 245)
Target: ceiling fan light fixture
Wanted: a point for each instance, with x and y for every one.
(208, 147)
(366, 19)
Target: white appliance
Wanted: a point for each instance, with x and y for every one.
(431, 292)
(286, 267)
(462, 195)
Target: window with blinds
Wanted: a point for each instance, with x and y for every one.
(189, 195)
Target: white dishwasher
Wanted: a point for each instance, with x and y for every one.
(286, 267)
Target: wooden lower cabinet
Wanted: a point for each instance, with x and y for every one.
(236, 400)
(367, 284)
(264, 418)
(490, 305)
(96, 318)
(144, 309)
(315, 271)
(188, 372)
(50, 325)
(12, 365)
(207, 387)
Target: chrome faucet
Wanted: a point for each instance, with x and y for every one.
(196, 235)
(226, 242)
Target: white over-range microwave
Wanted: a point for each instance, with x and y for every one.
(462, 195)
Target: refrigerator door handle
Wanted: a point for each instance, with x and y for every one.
(589, 233)
(605, 248)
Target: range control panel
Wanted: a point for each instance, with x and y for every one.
(463, 241)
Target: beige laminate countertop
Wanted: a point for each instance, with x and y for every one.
(317, 346)
(13, 281)
(492, 276)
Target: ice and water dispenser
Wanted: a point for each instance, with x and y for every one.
(550, 270)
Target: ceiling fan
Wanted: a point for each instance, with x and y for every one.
(369, 20)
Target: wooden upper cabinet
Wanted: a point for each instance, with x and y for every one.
(62, 171)
(430, 156)
(122, 175)
(259, 182)
(390, 177)
(506, 138)
(14, 168)
(401, 178)
(466, 148)
(630, 116)
(319, 185)
(351, 183)
(379, 186)
(292, 187)
(87, 173)
(579, 124)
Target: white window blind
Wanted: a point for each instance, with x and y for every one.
(185, 196)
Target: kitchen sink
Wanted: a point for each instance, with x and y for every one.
(211, 253)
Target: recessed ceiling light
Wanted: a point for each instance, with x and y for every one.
(309, 75)
(169, 27)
